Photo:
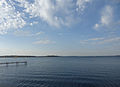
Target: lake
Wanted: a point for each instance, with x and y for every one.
(61, 72)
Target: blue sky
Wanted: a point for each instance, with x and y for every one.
(62, 27)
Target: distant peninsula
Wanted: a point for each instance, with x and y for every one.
(15, 56)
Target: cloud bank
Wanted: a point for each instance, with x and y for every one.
(54, 12)
(16, 13)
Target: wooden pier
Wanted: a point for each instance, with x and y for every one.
(17, 63)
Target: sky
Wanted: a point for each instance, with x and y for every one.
(60, 27)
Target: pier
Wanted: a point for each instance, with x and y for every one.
(17, 63)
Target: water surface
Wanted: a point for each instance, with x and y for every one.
(61, 72)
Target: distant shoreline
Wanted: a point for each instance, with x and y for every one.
(16, 56)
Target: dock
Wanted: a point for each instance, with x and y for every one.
(17, 63)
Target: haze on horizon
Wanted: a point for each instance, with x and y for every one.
(61, 27)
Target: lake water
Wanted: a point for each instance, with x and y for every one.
(61, 72)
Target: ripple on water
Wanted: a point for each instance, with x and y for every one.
(65, 81)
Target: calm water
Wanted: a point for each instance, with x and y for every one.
(62, 72)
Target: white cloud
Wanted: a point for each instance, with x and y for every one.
(81, 4)
(22, 33)
(106, 17)
(110, 40)
(96, 39)
(44, 42)
(39, 33)
(96, 26)
(101, 40)
(91, 40)
(9, 17)
(26, 33)
(34, 22)
(107, 20)
(56, 13)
